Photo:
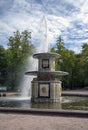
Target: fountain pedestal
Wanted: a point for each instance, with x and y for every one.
(46, 87)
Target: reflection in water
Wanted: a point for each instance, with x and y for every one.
(72, 103)
(46, 105)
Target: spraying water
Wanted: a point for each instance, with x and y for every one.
(44, 45)
(32, 63)
(26, 81)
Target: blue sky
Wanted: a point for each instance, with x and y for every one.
(68, 18)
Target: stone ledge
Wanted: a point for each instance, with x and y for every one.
(48, 112)
(75, 93)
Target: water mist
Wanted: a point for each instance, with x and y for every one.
(26, 81)
(43, 39)
(32, 63)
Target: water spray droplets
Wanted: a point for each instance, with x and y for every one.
(44, 46)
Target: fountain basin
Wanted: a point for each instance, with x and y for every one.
(67, 103)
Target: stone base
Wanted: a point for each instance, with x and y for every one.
(46, 91)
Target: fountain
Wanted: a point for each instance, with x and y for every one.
(46, 87)
(43, 83)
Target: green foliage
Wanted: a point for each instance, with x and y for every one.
(75, 64)
(85, 63)
(19, 49)
(3, 65)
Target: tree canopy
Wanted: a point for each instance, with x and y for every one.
(75, 64)
(19, 49)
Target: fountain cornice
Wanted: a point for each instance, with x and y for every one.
(46, 55)
(55, 73)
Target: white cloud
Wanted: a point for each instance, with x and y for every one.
(66, 18)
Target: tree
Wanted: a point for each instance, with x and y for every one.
(66, 63)
(60, 45)
(85, 63)
(75, 64)
(3, 65)
(59, 48)
(78, 71)
(19, 48)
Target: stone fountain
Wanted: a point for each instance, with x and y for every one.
(46, 87)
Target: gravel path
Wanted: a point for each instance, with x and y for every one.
(35, 122)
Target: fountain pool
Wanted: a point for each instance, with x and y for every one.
(67, 103)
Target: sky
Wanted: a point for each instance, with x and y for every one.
(66, 18)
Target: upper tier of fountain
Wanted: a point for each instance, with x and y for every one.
(46, 65)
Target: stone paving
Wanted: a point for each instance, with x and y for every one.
(36, 122)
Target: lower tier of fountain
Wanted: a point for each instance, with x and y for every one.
(51, 73)
(46, 91)
(46, 87)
